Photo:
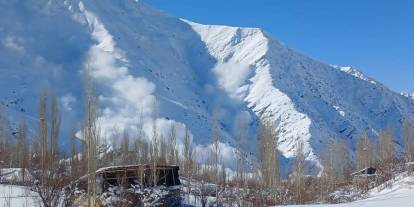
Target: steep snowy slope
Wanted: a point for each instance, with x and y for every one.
(313, 101)
(137, 53)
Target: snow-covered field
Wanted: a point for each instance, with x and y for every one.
(17, 196)
(401, 194)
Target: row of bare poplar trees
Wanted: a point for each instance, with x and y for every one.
(256, 181)
(260, 183)
(52, 171)
(41, 162)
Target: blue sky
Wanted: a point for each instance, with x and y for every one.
(375, 36)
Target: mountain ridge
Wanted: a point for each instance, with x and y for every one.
(137, 53)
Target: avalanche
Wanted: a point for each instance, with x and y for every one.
(137, 53)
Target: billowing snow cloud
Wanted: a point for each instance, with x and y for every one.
(231, 77)
(130, 98)
(127, 101)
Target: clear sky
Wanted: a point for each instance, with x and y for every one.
(375, 36)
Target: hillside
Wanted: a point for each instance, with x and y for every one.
(137, 53)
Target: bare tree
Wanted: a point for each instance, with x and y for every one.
(269, 157)
(299, 170)
(386, 152)
(113, 156)
(386, 145)
(343, 161)
(22, 150)
(242, 133)
(43, 132)
(163, 152)
(34, 154)
(187, 153)
(359, 154)
(83, 158)
(50, 189)
(364, 152)
(216, 133)
(139, 141)
(336, 162)
(173, 154)
(364, 156)
(90, 135)
(53, 177)
(408, 136)
(328, 176)
(125, 159)
(2, 140)
(154, 141)
(142, 150)
(54, 129)
(74, 159)
(7, 152)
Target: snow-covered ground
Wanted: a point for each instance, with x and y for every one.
(17, 196)
(401, 194)
(14, 175)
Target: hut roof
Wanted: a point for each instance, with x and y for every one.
(126, 167)
(365, 171)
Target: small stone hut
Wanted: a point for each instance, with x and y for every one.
(127, 175)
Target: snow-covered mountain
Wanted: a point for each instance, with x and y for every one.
(137, 53)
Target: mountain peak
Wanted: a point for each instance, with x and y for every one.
(355, 72)
(408, 94)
